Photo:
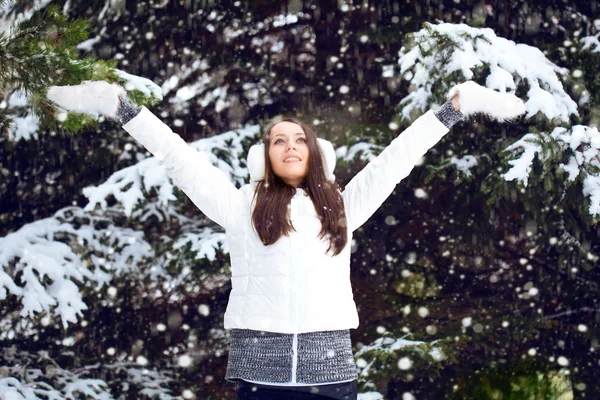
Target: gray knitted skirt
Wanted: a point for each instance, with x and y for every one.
(307, 358)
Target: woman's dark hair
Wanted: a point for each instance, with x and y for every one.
(272, 197)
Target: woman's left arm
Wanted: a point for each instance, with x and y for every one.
(365, 193)
(371, 186)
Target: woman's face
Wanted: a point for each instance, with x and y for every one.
(288, 152)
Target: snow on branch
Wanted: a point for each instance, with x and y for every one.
(10, 17)
(186, 71)
(592, 43)
(389, 345)
(204, 243)
(151, 382)
(12, 388)
(45, 378)
(438, 51)
(129, 186)
(141, 84)
(42, 377)
(530, 147)
(43, 262)
(464, 164)
(24, 126)
(47, 262)
(366, 151)
(388, 353)
(579, 145)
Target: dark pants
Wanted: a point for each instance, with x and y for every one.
(251, 391)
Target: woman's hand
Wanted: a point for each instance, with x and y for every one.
(89, 97)
(455, 102)
(470, 98)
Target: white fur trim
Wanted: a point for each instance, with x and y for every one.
(476, 99)
(256, 160)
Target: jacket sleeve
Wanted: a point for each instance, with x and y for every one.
(365, 193)
(207, 186)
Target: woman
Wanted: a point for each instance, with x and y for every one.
(289, 232)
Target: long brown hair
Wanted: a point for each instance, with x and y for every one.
(272, 197)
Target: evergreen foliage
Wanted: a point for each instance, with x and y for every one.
(41, 51)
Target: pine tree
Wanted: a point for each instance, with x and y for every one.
(41, 51)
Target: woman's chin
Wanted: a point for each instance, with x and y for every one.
(293, 180)
(293, 174)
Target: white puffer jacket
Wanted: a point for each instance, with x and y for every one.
(291, 286)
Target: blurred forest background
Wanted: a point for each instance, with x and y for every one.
(469, 286)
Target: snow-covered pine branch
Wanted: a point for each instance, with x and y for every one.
(441, 50)
(130, 187)
(463, 166)
(9, 18)
(53, 257)
(204, 243)
(394, 354)
(45, 262)
(36, 375)
(578, 146)
(365, 151)
(185, 251)
(592, 43)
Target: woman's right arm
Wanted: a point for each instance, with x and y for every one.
(207, 186)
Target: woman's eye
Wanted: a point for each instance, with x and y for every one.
(278, 141)
(303, 140)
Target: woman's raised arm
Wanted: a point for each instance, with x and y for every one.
(207, 186)
(365, 193)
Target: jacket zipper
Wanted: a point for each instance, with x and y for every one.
(295, 357)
